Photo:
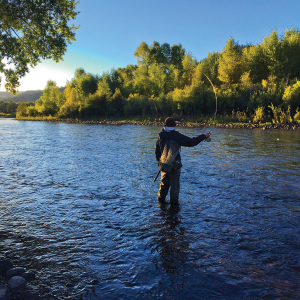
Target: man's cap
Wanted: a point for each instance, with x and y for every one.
(170, 122)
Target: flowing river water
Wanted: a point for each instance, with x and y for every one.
(77, 204)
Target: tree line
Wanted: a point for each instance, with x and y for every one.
(255, 83)
(8, 108)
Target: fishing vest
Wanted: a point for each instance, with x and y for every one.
(168, 158)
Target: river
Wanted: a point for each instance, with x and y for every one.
(77, 204)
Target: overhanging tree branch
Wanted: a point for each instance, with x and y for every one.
(44, 33)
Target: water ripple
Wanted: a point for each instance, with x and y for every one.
(77, 203)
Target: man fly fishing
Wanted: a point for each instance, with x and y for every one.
(167, 153)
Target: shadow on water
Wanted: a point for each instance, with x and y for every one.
(78, 207)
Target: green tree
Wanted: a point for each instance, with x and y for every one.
(71, 106)
(82, 85)
(291, 96)
(230, 63)
(117, 104)
(96, 105)
(87, 84)
(166, 53)
(8, 107)
(163, 61)
(208, 67)
(177, 54)
(114, 80)
(31, 31)
(156, 54)
(184, 101)
(21, 110)
(103, 88)
(290, 54)
(272, 48)
(125, 79)
(189, 64)
(143, 54)
(141, 80)
(51, 100)
(77, 76)
(31, 111)
(157, 79)
(173, 78)
(212, 67)
(270, 92)
(282, 55)
(256, 63)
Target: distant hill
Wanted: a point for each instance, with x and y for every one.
(4, 95)
(28, 96)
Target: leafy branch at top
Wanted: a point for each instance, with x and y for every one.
(31, 31)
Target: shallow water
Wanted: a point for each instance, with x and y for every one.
(77, 203)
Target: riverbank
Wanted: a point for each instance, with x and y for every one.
(3, 115)
(264, 126)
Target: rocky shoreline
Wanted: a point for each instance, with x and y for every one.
(181, 124)
(13, 282)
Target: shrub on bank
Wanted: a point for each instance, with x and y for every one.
(297, 116)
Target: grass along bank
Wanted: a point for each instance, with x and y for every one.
(217, 122)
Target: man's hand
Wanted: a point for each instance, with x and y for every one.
(207, 134)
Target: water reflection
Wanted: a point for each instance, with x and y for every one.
(171, 241)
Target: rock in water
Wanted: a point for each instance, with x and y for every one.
(14, 272)
(5, 265)
(17, 283)
(4, 293)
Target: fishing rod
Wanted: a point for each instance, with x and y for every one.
(215, 114)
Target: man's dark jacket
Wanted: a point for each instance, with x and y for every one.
(176, 136)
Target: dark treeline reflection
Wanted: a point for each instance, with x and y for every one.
(244, 82)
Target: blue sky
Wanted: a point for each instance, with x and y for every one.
(111, 30)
